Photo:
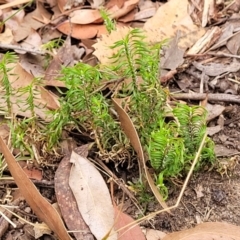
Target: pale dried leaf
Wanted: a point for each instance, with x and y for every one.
(6, 37)
(207, 231)
(41, 229)
(86, 16)
(146, 13)
(173, 56)
(199, 191)
(214, 111)
(216, 69)
(29, 22)
(13, 18)
(152, 234)
(92, 196)
(213, 130)
(65, 198)
(33, 41)
(170, 18)
(222, 151)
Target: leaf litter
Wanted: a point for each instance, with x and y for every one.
(213, 59)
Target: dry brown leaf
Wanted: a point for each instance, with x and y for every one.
(40, 229)
(173, 56)
(67, 202)
(41, 207)
(233, 45)
(44, 100)
(216, 69)
(128, 18)
(21, 78)
(82, 31)
(33, 41)
(112, 3)
(67, 55)
(121, 220)
(102, 49)
(146, 13)
(172, 17)
(214, 111)
(128, 6)
(33, 64)
(29, 22)
(152, 234)
(62, 4)
(33, 173)
(213, 130)
(207, 231)
(86, 16)
(92, 197)
(6, 37)
(132, 135)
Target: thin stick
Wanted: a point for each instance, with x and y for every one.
(19, 48)
(7, 219)
(13, 4)
(215, 97)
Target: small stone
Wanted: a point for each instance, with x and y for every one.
(27, 209)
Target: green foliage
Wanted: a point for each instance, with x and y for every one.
(166, 150)
(5, 68)
(140, 189)
(86, 106)
(138, 61)
(53, 44)
(21, 136)
(108, 21)
(173, 147)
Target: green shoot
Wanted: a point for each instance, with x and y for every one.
(5, 68)
(108, 21)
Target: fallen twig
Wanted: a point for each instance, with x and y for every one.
(19, 48)
(215, 97)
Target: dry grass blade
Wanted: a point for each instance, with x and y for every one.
(41, 207)
(13, 4)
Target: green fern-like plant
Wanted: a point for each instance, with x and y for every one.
(108, 21)
(139, 61)
(5, 69)
(193, 126)
(86, 107)
(172, 148)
